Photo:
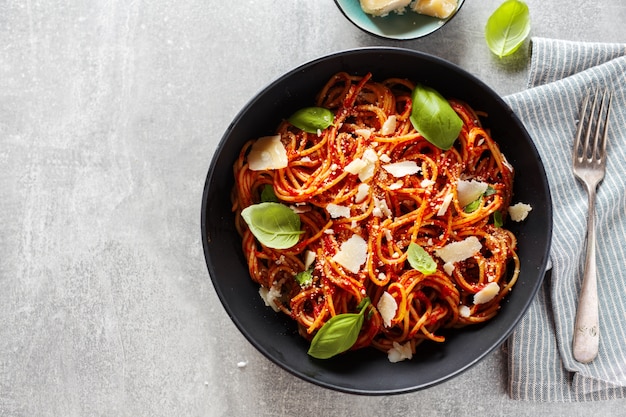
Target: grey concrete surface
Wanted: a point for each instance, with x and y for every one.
(109, 115)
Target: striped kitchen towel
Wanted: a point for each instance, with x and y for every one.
(540, 362)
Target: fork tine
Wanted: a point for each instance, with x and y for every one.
(607, 116)
(579, 147)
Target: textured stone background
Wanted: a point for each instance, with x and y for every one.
(109, 116)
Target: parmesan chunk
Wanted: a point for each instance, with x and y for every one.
(519, 211)
(352, 254)
(399, 352)
(441, 9)
(387, 307)
(468, 191)
(389, 126)
(487, 294)
(267, 152)
(381, 209)
(362, 192)
(385, 158)
(448, 267)
(400, 169)
(270, 296)
(356, 166)
(383, 7)
(427, 183)
(309, 258)
(445, 204)
(363, 167)
(335, 210)
(365, 133)
(459, 251)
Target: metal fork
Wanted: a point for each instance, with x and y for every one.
(589, 163)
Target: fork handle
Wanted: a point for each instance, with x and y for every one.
(586, 330)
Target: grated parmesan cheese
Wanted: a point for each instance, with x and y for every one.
(387, 307)
(464, 311)
(309, 258)
(270, 296)
(468, 191)
(389, 126)
(519, 211)
(267, 152)
(399, 352)
(445, 204)
(352, 253)
(487, 294)
(362, 192)
(335, 210)
(459, 251)
(401, 169)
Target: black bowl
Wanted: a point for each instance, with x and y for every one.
(368, 371)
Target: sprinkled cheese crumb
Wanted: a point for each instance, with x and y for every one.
(487, 293)
(519, 211)
(385, 158)
(267, 152)
(352, 253)
(464, 311)
(399, 352)
(459, 251)
(242, 364)
(335, 210)
(387, 307)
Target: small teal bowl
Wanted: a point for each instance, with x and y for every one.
(407, 26)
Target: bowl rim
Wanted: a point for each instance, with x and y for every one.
(354, 21)
(542, 263)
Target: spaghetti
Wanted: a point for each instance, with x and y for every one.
(388, 211)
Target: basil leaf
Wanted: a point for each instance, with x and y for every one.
(497, 219)
(310, 119)
(273, 224)
(507, 27)
(473, 206)
(434, 118)
(305, 278)
(420, 259)
(268, 195)
(489, 191)
(338, 334)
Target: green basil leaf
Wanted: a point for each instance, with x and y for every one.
(305, 278)
(507, 27)
(473, 206)
(420, 259)
(273, 224)
(338, 334)
(268, 195)
(489, 191)
(312, 119)
(434, 118)
(497, 219)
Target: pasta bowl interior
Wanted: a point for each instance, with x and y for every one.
(369, 370)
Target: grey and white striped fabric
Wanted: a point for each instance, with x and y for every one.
(541, 365)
